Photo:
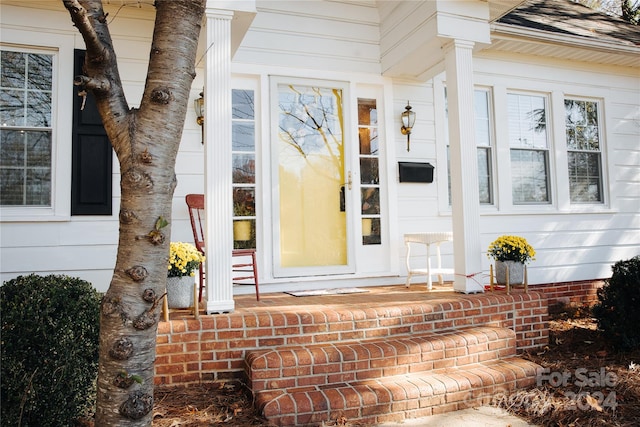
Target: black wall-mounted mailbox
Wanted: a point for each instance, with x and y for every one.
(415, 172)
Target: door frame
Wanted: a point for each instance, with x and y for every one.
(288, 272)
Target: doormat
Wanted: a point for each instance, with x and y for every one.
(320, 292)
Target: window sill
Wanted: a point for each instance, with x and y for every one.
(539, 210)
(31, 215)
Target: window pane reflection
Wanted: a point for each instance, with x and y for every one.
(368, 141)
(371, 231)
(26, 82)
(242, 104)
(370, 200)
(484, 175)
(369, 170)
(367, 112)
(243, 137)
(244, 169)
(529, 176)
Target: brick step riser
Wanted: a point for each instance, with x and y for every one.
(396, 398)
(191, 351)
(337, 363)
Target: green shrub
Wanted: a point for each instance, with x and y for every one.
(618, 309)
(49, 357)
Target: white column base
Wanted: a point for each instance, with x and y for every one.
(468, 285)
(219, 307)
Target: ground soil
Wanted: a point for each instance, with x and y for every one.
(588, 384)
(604, 384)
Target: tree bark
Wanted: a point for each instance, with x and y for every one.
(146, 142)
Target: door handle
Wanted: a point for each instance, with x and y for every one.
(342, 192)
(349, 181)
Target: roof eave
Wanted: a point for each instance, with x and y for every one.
(500, 30)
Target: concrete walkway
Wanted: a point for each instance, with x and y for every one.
(484, 416)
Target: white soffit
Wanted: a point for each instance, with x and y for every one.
(510, 39)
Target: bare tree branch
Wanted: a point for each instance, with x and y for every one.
(82, 21)
(100, 85)
(101, 70)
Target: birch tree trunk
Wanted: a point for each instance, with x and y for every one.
(146, 143)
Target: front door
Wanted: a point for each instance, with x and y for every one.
(311, 181)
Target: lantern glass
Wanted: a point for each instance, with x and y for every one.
(198, 106)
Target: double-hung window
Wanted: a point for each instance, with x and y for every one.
(529, 147)
(26, 84)
(529, 122)
(483, 134)
(482, 118)
(36, 100)
(583, 151)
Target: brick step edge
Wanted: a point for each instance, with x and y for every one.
(322, 364)
(397, 398)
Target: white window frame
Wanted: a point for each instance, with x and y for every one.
(252, 186)
(61, 47)
(442, 134)
(490, 148)
(551, 170)
(557, 149)
(600, 151)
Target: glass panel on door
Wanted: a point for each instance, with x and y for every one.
(244, 169)
(312, 183)
(369, 172)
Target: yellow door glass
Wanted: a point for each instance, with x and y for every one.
(311, 172)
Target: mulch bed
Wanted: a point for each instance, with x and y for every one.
(588, 384)
(222, 403)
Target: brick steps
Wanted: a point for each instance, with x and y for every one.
(296, 366)
(387, 379)
(396, 398)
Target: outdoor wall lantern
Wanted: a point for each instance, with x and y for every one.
(198, 105)
(408, 120)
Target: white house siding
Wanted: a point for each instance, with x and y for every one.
(578, 242)
(573, 242)
(79, 246)
(341, 41)
(321, 36)
(293, 37)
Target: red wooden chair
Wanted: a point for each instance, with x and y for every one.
(242, 270)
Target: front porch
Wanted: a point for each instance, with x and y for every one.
(360, 355)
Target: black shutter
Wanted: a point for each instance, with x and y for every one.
(92, 155)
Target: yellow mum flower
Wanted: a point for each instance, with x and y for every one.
(184, 259)
(511, 248)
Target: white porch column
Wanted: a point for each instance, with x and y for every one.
(464, 167)
(217, 132)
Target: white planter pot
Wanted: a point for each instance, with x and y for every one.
(180, 291)
(516, 272)
(241, 230)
